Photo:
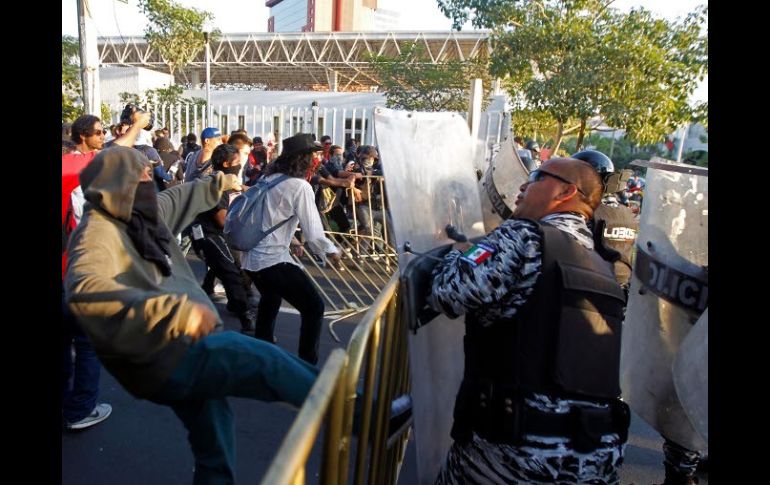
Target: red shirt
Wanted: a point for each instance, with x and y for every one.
(71, 165)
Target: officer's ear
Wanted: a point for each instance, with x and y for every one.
(567, 192)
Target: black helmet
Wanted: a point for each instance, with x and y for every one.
(532, 145)
(598, 160)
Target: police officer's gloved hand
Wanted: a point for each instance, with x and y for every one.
(606, 252)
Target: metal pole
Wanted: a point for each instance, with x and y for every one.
(681, 143)
(208, 77)
(262, 119)
(474, 108)
(89, 60)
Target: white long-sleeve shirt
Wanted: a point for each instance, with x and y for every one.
(292, 197)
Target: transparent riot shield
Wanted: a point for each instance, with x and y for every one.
(669, 292)
(500, 185)
(429, 173)
(691, 377)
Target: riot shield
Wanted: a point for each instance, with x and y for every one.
(691, 378)
(500, 185)
(669, 292)
(428, 166)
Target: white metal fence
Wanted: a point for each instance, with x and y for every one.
(281, 122)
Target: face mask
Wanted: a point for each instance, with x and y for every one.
(233, 169)
(368, 163)
(146, 200)
(336, 159)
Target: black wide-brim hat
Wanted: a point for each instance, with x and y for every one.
(299, 144)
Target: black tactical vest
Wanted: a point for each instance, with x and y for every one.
(564, 342)
(619, 233)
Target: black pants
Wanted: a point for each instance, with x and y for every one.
(222, 264)
(287, 281)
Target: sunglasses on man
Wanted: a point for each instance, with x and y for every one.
(537, 175)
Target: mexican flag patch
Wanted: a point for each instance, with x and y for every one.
(477, 254)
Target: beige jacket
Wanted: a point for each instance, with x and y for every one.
(134, 316)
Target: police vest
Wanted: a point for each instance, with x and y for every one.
(564, 342)
(619, 233)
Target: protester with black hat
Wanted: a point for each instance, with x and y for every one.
(270, 264)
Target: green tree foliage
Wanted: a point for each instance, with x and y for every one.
(580, 60)
(171, 95)
(70, 79)
(175, 32)
(71, 90)
(623, 150)
(412, 84)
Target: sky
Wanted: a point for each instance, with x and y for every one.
(122, 17)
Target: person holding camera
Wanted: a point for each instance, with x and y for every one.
(133, 120)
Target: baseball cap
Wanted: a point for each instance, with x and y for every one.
(210, 132)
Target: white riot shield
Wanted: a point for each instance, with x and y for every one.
(500, 185)
(428, 165)
(691, 377)
(669, 291)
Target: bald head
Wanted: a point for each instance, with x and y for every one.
(563, 185)
(583, 175)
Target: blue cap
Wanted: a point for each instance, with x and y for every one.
(210, 132)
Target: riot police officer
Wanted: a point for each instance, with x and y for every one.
(614, 225)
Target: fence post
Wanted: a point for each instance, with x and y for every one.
(474, 108)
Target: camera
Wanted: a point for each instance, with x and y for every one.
(130, 109)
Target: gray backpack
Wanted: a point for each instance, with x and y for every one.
(243, 224)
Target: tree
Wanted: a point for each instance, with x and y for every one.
(71, 101)
(70, 78)
(175, 32)
(623, 150)
(170, 96)
(412, 84)
(582, 61)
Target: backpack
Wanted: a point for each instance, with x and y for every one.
(243, 224)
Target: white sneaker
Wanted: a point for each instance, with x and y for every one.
(100, 413)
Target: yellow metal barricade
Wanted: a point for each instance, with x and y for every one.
(324, 400)
(379, 341)
(369, 260)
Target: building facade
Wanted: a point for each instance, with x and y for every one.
(329, 16)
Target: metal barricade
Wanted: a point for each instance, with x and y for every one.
(325, 399)
(369, 261)
(380, 342)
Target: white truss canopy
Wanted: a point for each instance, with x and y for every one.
(298, 60)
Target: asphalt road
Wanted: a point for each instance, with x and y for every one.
(144, 443)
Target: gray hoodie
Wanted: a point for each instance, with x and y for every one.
(134, 316)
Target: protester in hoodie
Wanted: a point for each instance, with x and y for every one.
(134, 294)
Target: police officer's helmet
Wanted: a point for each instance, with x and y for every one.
(532, 145)
(598, 160)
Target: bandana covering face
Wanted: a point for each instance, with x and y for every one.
(233, 169)
(150, 237)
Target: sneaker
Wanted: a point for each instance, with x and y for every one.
(100, 413)
(247, 319)
(219, 289)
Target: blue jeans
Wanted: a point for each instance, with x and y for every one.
(221, 365)
(78, 397)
